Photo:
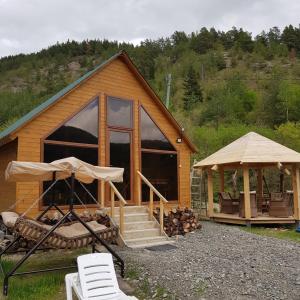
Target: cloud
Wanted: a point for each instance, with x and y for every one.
(27, 26)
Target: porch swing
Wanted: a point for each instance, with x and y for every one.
(70, 231)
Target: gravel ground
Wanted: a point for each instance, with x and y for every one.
(224, 262)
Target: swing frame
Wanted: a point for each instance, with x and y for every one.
(66, 216)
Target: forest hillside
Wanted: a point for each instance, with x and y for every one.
(223, 84)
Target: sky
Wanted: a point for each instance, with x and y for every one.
(31, 25)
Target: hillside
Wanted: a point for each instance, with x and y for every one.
(224, 84)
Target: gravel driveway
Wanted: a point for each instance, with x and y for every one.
(224, 262)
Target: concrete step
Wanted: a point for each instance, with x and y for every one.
(148, 242)
(132, 210)
(137, 217)
(141, 233)
(140, 225)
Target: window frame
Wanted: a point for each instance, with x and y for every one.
(158, 151)
(129, 130)
(44, 141)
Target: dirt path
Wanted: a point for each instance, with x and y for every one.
(224, 262)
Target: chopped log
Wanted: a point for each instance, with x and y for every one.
(179, 221)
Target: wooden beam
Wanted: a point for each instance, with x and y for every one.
(247, 192)
(139, 190)
(151, 206)
(112, 203)
(102, 195)
(222, 180)
(210, 191)
(296, 189)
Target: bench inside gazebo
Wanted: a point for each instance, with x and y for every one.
(252, 154)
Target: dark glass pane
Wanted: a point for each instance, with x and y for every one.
(120, 157)
(82, 128)
(119, 112)
(151, 136)
(62, 192)
(161, 171)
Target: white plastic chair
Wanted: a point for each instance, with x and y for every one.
(96, 279)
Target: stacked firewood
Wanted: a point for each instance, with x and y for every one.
(179, 221)
(100, 216)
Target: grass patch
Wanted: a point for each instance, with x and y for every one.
(132, 272)
(143, 287)
(283, 232)
(199, 289)
(40, 286)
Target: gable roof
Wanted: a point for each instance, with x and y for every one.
(251, 148)
(5, 134)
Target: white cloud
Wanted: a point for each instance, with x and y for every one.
(30, 25)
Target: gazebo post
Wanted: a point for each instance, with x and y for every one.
(210, 192)
(246, 193)
(296, 189)
(221, 177)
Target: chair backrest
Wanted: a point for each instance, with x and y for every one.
(225, 196)
(276, 197)
(97, 276)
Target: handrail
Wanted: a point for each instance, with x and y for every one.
(120, 197)
(162, 201)
(160, 196)
(114, 191)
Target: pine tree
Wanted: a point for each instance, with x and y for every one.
(192, 90)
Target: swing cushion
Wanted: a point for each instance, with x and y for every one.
(67, 236)
(9, 218)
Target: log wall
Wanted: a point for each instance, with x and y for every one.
(8, 153)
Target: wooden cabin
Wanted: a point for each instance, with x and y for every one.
(108, 117)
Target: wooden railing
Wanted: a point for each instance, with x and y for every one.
(122, 202)
(162, 201)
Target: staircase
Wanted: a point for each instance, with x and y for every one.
(139, 231)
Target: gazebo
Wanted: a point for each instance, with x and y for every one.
(255, 152)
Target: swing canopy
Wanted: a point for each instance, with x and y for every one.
(61, 169)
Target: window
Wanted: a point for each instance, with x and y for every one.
(62, 191)
(151, 135)
(161, 171)
(159, 160)
(77, 137)
(120, 126)
(119, 113)
(119, 153)
(82, 128)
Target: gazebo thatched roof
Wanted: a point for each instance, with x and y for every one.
(251, 148)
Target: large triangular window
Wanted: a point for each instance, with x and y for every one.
(82, 128)
(151, 135)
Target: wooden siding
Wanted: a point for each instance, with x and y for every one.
(8, 153)
(114, 80)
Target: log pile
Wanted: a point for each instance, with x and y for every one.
(100, 216)
(179, 221)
